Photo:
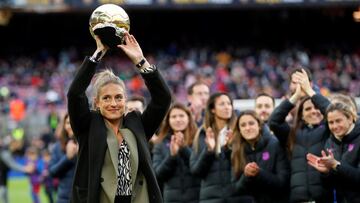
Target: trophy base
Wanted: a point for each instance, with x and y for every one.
(108, 37)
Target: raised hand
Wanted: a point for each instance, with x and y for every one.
(179, 139)
(304, 81)
(174, 147)
(297, 94)
(71, 149)
(210, 139)
(132, 49)
(101, 49)
(229, 138)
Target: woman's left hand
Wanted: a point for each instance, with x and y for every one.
(328, 160)
(132, 48)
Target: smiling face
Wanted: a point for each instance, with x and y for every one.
(310, 114)
(339, 123)
(223, 108)
(111, 101)
(249, 128)
(178, 120)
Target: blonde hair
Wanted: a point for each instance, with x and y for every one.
(344, 108)
(103, 78)
(345, 99)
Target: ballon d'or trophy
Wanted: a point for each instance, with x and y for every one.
(109, 22)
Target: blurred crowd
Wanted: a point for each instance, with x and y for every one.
(33, 113)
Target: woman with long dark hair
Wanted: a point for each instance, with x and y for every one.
(63, 161)
(171, 156)
(259, 162)
(210, 159)
(307, 135)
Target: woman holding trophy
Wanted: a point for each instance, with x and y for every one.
(114, 163)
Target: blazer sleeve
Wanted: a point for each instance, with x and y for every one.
(163, 164)
(78, 105)
(159, 104)
(277, 122)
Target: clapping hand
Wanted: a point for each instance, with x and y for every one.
(324, 163)
(210, 139)
(251, 169)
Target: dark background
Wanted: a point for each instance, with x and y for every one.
(272, 28)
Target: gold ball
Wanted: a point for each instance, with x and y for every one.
(110, 16)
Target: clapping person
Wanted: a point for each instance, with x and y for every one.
(259, 162)
(340, 161)
(307, 135)
(171, 156)
(63, 161)
(210, 159)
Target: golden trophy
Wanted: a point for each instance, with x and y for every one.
(109, 22)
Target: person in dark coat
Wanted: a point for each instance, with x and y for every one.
(340, 161)
(259, 162)
(63, 161)
(114, 163)
(307, 135)
(210, 159)
(171, 156)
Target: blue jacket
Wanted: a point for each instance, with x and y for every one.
(63, 169)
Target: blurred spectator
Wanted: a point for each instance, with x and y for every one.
(63, 161)
(135, 103)
(171, 156)
(264, 106)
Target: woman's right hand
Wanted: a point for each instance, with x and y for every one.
(297, 95)
(71, 149)
(101, 49)
(210, 139)
(174, 147)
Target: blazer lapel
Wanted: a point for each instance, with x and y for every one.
(113, 149)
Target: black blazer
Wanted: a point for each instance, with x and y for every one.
(90, 130)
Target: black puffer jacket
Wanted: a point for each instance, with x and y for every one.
(346, 177)
(306, 183)
(271, 185)
(216, 174)
(180, 186)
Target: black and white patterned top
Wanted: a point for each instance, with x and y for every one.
(124, 178)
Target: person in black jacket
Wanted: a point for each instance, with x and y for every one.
(307, 135)
(210, 159)
(259, 162)
(171, 156)
(114, 163)
(63, 161)
(340, 164)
